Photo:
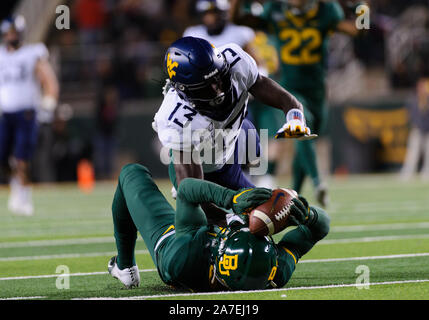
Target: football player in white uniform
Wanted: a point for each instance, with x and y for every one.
(203, 112)
(216, 28)
(27, 84)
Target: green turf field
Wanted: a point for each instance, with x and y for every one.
(379, 224)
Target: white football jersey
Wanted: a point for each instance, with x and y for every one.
(180, 126)
(19, 88)
(232, 33)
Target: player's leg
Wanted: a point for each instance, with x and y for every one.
(26, 130)
(412, 157)
(138, 205)
(6, 146)
(305, 161)
(425, 167)
(269, 119)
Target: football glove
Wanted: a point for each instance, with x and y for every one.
(295, 127)
(299, 211)
(246, 199)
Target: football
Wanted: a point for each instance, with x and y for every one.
(272, 216)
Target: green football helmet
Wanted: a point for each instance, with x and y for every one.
(244, 261)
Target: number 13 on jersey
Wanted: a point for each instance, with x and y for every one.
(301, 46)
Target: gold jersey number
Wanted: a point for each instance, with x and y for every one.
(295, 38)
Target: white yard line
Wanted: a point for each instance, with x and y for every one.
(145, 251)
(394, 256)
(254, 291)
(373, 239)
(379, 227)
(56, 242)
(24, 298)
(332, 286)
(77, 241)
(67, 255)
(79, 274)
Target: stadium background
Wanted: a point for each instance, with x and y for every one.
(109, 64)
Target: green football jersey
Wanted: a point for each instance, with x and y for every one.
(302, 41)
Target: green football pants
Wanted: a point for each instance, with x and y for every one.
(138, 205)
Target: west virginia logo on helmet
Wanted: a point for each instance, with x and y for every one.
(171, 65)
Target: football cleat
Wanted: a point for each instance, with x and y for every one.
(130, 277)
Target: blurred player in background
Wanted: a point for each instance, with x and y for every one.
(216, 28)
(302, 29)
(418, 141)
(28, 94)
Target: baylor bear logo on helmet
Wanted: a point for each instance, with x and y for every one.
(170, 66)
(228, 263)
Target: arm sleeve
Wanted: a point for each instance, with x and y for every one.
(190, 194)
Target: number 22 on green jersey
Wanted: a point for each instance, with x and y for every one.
(302, 46)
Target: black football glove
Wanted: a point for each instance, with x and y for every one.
(246, 199)
(299, 211)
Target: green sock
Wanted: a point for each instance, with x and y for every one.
(124, 230)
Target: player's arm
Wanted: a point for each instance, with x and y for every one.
(271, 93)
(193, 192)
(348, 27)
(193, 169)
(49, 83)
(312, 226)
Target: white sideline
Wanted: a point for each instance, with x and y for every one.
(394, 256)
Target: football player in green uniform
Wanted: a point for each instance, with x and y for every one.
(302, 29)
(191, 254)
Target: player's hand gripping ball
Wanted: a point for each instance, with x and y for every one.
(276, 214)
(245, 200)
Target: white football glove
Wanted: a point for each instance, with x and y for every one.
(295, 127)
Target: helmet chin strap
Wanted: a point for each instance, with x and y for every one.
(218, 100)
